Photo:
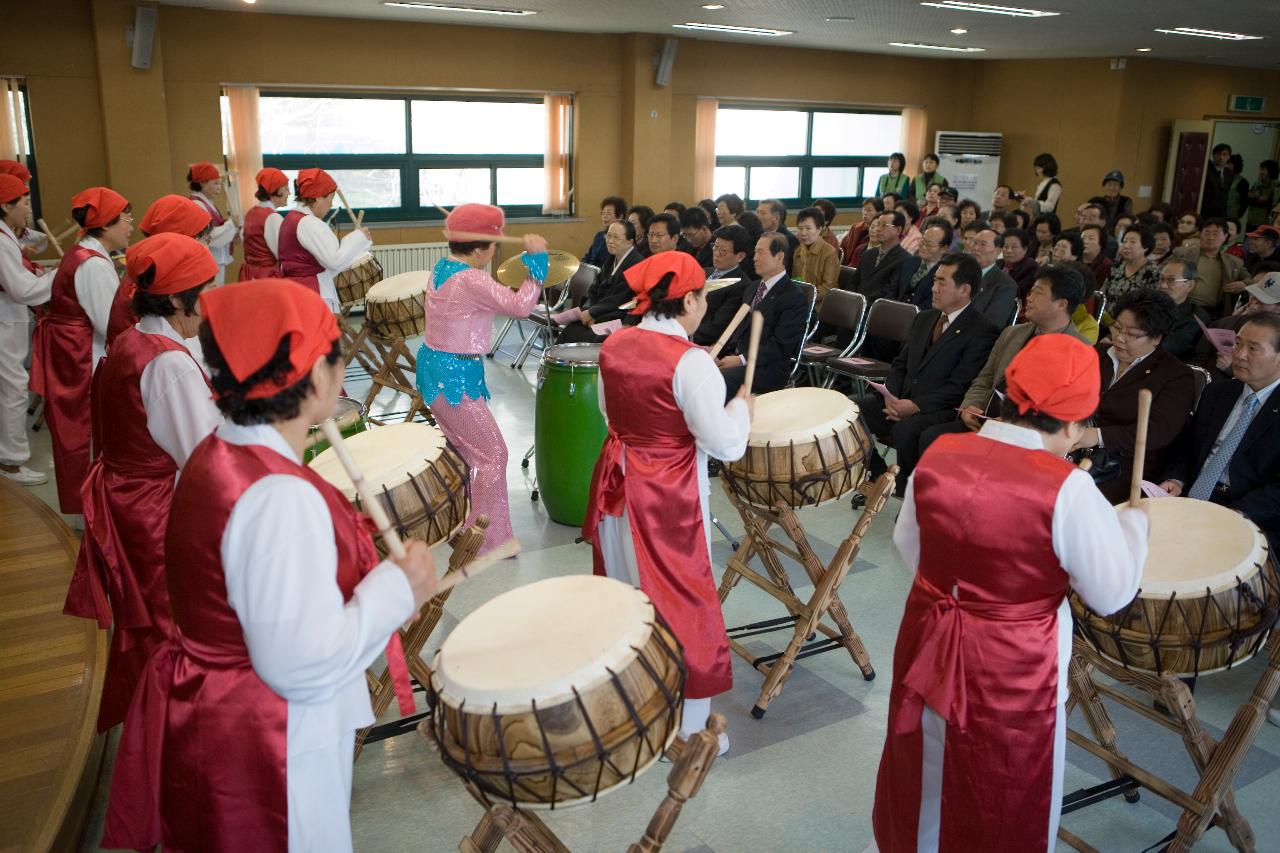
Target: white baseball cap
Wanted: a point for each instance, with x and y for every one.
(1267, 290)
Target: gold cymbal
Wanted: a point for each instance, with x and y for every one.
(560, 268)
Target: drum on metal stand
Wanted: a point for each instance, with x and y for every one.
(569, 429)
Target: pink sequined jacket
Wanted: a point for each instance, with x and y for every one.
(460, 312)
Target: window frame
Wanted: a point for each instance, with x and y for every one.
(37, 213)
(807, 162)
(408, 164)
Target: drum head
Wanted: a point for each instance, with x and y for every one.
(399, 286)
(345, 407)
(1196, 545)
(798, 414)
(387, 456)
(578, 355)
(538, 642)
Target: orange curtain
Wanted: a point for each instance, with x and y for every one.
(914, 143)
(244, 145)
(704, 148)
(13, 130)
(555, 159)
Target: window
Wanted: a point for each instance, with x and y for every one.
(799, 155)
(404, 157)
(19, 131)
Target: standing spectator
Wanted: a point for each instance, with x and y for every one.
(1113, 203)
(814, 260)
(1264, 194)
(1226, 193)
(1219, 276)
(1019, 265)
(1049, 190)
(1132, 270)
(928, 177)
(612, 208)
(1177, 277)
(896, 181)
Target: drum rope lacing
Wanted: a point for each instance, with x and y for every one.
(839, 479)
(431, 510)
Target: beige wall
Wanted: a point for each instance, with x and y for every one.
(97, 120)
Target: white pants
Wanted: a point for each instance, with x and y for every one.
(320, 797)
(15, 341)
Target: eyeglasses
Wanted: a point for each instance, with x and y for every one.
(1127, 333)
(1166, 280)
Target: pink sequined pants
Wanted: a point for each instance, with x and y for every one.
(475, 435)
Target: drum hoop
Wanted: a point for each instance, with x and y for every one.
(549, 357)
(349, 491)
(848, 413)
(809, 485)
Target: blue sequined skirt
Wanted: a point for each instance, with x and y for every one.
(453, 375)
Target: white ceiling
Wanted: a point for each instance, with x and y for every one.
(1084, 27)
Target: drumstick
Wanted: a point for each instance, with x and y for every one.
(371, 504)
(731, 328)
(478, 565)
(44, 226)
(757, 326)
(1085, 464)
(1140, 446)
(472, 237)
(351, 211)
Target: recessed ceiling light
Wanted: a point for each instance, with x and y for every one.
(1144, 50)
(250, 2)
(712, 7)
(727, 28)
(440, 7)
(938, 47)
(959, 31)
(840, 19)
(1209, 34)
(1014, 11)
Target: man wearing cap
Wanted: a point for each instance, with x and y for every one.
(262, 226)
(974, 755)
(1263, 298)
(1114, 205)
(462, 301)
(241, 733)
(22, 284)
(71, 336)
(648, 515)
(309, 252)
(1262, 248)
(151, 407)
(32, 241)
(169, 214)
(206, 182)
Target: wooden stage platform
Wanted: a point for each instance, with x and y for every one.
(51, 670)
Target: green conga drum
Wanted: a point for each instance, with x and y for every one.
(568, 429)
(349, 415)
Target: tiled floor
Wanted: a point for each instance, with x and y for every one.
(801, 778)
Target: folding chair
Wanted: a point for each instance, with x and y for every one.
(1099, 305)
(846, 278)
(842, 310)
(810, 326)
(546, 329)
(1202, 378)
(887, 319)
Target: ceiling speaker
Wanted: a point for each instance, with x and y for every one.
(144, 34)
(666, 59)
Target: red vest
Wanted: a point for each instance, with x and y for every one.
(202, 759)
(212, 208)
(122, 316)
(979, 645)
(295, 261)
(660, 493)
(258, 260)
(61, 369)
(126, 506)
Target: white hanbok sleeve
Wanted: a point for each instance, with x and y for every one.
(1102, 550)
(180, 409)
(20, 284)
(33, 239)
(906, 533)
(271, 232)
(222, 235)
(720, 428)
(323, 245)
(280, 560)
(96, 283)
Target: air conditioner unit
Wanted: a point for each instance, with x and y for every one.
(970, 162)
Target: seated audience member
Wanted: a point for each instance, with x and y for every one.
(1051, 301)
(1045, 228)
(930, 204)
(1114, 205)
(858, 234)
(1262, 248)
(696, 230)
(664, 233)
(1233, 243)
(970, 211)
(708, 206)
(675, 208)
(1132, 270)
(1134, 360)
(1187, 230)
(997, 222)
(997, 295)
(814, 260)
(639, 216)
(828, 209)
(1020, 219)
(948, 195)
(916, 279)
(1163, 212)
(612, 208)
(1019, 265)
(730, 247)
(951, 215)
(1162, 243)
(751, 223)
(1263, 194)
(1120, 225)
(1093, 240)
(773, 217)
(1264, 298)
(784, 307)
(1177, 278)
(878, 268)
(610, 291)
(728, 207)
(927, 179)
(944, 351)
(1002, 201)
(1219, 277)
(910, 240)
(969, 232)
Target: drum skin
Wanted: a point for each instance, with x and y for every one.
(569, 431)
(352, 284)
(395, 308)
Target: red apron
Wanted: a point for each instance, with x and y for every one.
(660, 494)
(119, 575)
(295, 261)
(61, 369)
(203, 755)
(122, 316)
(258, 260)
(979, 645)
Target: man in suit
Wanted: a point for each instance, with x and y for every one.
(945, 349)
(729, 248)
(915, 280)
(998, 295)
(784, 306)
(773, 217)
(695, 226)
(880, 267)
(610, 291)
(1226, 194)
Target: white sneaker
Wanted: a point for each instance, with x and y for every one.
(25, 476)
(1273, 714)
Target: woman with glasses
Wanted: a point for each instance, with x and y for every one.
(1133, 359)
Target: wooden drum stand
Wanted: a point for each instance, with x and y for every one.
(389, 363)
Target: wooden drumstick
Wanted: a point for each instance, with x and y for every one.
(371, 504)
(472, 237)
(753, 348)
(1085, 464)
(44, 226)
(1140, 446)
(743, 309)
(478, 565)
(351, 211)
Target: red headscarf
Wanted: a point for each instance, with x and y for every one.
(689, 276)
(180, 262)
(202, 172)
(19, 171)
(251, 318)
(104, 205)
(1055, 375)
(315, 183)
(271, 179)
(175, 214)
(11, 188)
(475, 219)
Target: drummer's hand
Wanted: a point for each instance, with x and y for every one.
(969, 417)
(749, 399)
(1173, 487)
(535, 243)
(419, 569)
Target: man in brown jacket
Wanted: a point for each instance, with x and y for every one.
(1220, 277)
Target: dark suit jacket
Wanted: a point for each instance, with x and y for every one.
(1254, 470)
(1173, 390)
(610, 291)
(935, 377)
(1217, 190)
(922, 297)
(874, 281)
(722, 304)
(792, 242)
(997, 297)
(784, 309)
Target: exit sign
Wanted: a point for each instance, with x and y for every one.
(1247, 104)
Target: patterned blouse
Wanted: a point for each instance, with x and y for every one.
(1147, 277)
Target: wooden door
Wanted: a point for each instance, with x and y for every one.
(1188, 171)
